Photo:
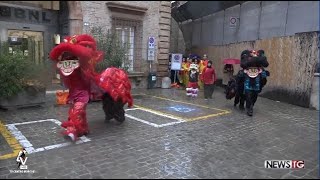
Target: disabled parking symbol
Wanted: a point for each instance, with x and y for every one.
(182, 109)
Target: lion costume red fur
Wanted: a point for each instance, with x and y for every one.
(76, 58)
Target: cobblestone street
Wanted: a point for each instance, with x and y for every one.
(166, 135)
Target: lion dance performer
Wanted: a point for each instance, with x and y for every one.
(76, 58)
(251, 79)
(192, 88)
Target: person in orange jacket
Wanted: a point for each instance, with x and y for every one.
(205, 60)
(208, 78)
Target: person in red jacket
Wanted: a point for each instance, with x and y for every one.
(208, 78)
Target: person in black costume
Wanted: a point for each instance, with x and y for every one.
(247, 89)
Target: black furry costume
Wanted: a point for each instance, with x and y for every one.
(113, 109)
(242, 95)
(247, 60)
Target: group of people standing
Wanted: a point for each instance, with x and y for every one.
(199, 73)
(196, 73)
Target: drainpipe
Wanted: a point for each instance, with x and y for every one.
(259, 20)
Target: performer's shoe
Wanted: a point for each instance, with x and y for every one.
(249, 112)
(107, 119)
(241, 107)
(70, 133)
(120, 117)
(72, 136)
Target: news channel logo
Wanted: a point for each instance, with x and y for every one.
(284, 164)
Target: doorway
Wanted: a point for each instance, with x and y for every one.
(29, 42)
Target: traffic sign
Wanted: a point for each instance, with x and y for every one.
(233, 22)
(151, 43)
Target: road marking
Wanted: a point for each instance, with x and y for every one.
(150, 123)
(141, 120)
(208, 116)
(153, 124)
(169, 124)
(182, 109)
(161, 113)
(131, 109)
(183, 118)
(12, 142)
(26, 143)
(54, 92)
(182, 102)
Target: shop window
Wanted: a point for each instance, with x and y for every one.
(29, 42)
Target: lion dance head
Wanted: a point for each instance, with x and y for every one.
(78, 51)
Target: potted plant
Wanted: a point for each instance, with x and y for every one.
(20, 83)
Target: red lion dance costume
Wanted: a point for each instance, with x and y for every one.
(76, 58)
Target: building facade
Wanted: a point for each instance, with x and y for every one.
(136, 23)
(288, 32)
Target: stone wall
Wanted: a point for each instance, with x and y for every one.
(292, 61)
(53, 5)
(164, 40)
(96, 13)
(156, 23)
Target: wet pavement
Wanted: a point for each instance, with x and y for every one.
(166, 135)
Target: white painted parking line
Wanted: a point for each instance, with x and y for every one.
(29, 147)
(163, 115)
(140, 120)
(156, 113)
(170, 124)
(150, 123)
(131, 109)
(53, 92)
